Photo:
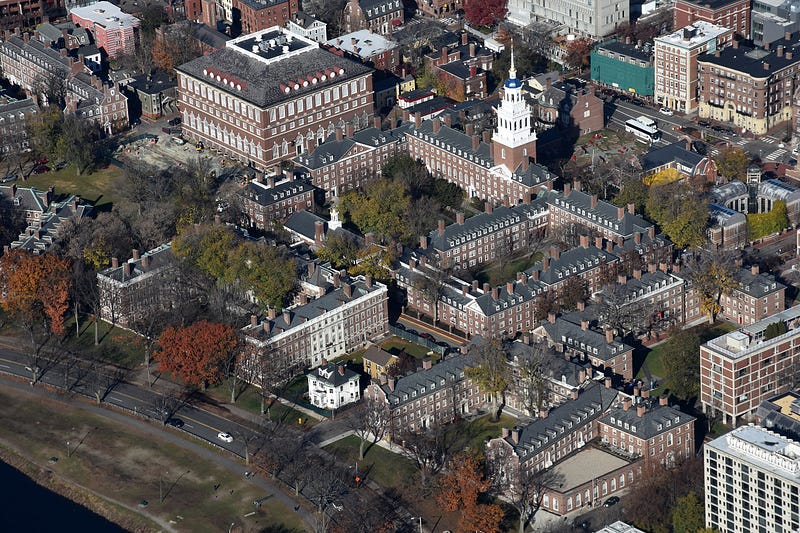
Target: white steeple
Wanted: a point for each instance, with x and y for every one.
(513, 118)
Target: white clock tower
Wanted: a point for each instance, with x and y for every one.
(514, 141)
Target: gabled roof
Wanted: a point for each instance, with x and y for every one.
(455, 142)
(414, 386)
(303, 223)
(675, 152)
(657, 419)
(378, 355)
(570, 263)
(327, 153)
(778, 190)
(605, 214)
(262, 194)
(333, 374)
(590, 341)
(759, 285)
(159, 258)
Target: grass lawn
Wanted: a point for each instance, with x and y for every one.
(476, 432)
(507, 269)
(385, 468)
(96, 188)
(128, 465)
(250, 400)
(118, 346)
(395, 345)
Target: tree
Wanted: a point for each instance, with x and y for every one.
(44, 130)
(460, 489)
(713, 273)
(486, 12)
(490, 372)
(174, 45)
(680, 212)
(196, 353)
(682, 364)
(533, 382)
(668, 175)
(76, 142)
(573, 291)
(617, 311)
(732, 163)
(775, 329)
(51, 89)
(430, 286)
(763, 224)
(266, 271)
(12, 220)
(380, 209)
(689, 514)
(577, 53)
(339, 250)
(427, 450)
(369, 422)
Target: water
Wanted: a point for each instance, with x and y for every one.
(26, 506)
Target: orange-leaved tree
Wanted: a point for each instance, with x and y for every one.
(34, 288)
(197, 353)
(461, 487)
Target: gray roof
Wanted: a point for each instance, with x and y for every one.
(590, 341)
(377, 355)
(16, 107)
(458, 69)
(756, 62)
(378, 8)
(571, 263)
(485, 223)
(556, 366)
(50, 32)
(675, 152)
(160, 257)
(304, 223)
(758, 285)
(649, 282)
(657, 419)
(410, 388)
(264, 195)
(305, 20)
(153, 83)
(563, 420)
(724, 216)
(26, 197)
(333, 374)
(777, 190)
(263, 4)
(729, 191)
(332, 150)
(50, 223)
(770, 416)
(630, 50)
(43, 55)
(646, 244)
(605, 214)
(261, 83)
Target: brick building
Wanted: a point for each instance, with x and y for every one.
(256, 15)
(344, 163)
(14, 115)
(753, 88)
(378, 16)
(676, 69)
(333, 325)
(742, 368)
(46, 228)
(271, 200)
(114, 31)
(727, 228)
(564, 106)
(21, 13)
(430, 397)
(462, 69)
(271, 95)
(681, 157)
(372, 49)
(131, 291)
(756, 297)
(733, 14)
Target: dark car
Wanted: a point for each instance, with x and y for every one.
(175, 121)
(41, 169)
(425, 335)
(175, 422)
(412, 332)
(400, 326)
(703, 123)
(611, 501)
(10, 177)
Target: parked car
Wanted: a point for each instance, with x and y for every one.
(400, 326)
(426, 335)
(225, 437)
(175, 422)
(175, 121)
(41, 169)
(666, 111)
(10, 177)
(178, 141)
(611, 501)
(412, 332)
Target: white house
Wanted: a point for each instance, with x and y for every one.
(333, 385)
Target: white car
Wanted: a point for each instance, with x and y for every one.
(225, 437)
(666, 111)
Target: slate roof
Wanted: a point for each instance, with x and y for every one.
(604, 213)
(656, 420)
(485, 223)
(630, 50)
(303, 313)
(160, 258)
(16, 107)
(303, 223)
(264, 195)
(329, 374)
(43, 55)
(375, 8)
(263, 4)
(524, 291)
(675, 152)
(331, 151)
(649, 282)
(456, 142)
(773, 417)
(153, 83)
(563, 420)
(556, 367)
(646, 244)
(590, 341)
(724, 216)
(26, 197)
(49, 225)
(304, 20)
(410, 388)
(757, 285)
(262, 81)
(753, 61)
(571, 263)
(458, 69)
(430, 107)
(377, 355)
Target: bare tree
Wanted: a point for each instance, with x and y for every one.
(490, 372)
(166, 404)
(532, 383)
(427, 450)
(618, 311)
(370, 423)
(101, 379)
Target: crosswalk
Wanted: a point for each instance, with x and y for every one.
(777, 155)
(741, 142)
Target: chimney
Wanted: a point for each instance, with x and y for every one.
(608, 383)
(270, 314)
(581, 375)
(510, 287)
(628, 39)
(504, 433)
(515, 435)
(476, 142)
(441, 227)
(437, 125)
(621, 279)
(555, 253)
(312, 267)
(464, 289)
(341, 369)
(663, 400)
(637, 237)
(488, 207)
(114, 262)
(551, 317)
(471, 49)
(337, 280)
(469, 129)
(567, 189)
(145, 262)
(473, 71)
(545, 263)
(464, 38)
(548, 82)
(637, 273)
(766, 65)
(593, 201)
(676, 268)
(651, 232)
(426, 363)
(339, 134)
(584, 325)
(287, 316)
(598, 242)
(535, 275)
(26, 37)
(626, 404)
(651, 268)
(319, 230)
(412, 263)
(735, 44)
(787, 36)
(135, 254)
(368, 281)
(581, 305)
(417, 119)
(423, 242)
(620, 213)
(574, 393)
(576, 185)
(779, 51)
(253, 320)
(584, 241)
(544, 412)
(645, 393)
(754, 270)
(641, 409)
(391, 382)
(377, 122)
(688, 145)
(406, 115)
(63, 52)
(609, 246)
(788, 55)
(126, 269)
(448, 120)
(632, 209)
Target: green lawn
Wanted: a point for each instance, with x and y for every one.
(476, 432)
(250, 400)
(385, 468)
(96, 188)
(396, 345)
(118, 346)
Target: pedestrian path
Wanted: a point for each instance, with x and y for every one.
(777, 155)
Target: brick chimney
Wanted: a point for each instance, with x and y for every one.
(495, 293)
(574, 393)
(347, 288)
(486, 136)
(287, 316)
(423, 242)
(271, 313)
(339, 134)
(469, 129)
(377, 122)
(515, 435)
(576, 185)
(632, 208)
(426, 363)
(476, 142)
(637, 273)
(555, 253)
(440, 227)
(593, 201)
(135, 254)
(567, 189)
(651, 232)
(417, 119)
(145, 262)
(584, 241)
(473, 71)
(126, 269)
(488, 207)
(368, 281)
(608, 383)
(620, 213)
(114, 262)
(754, 270)
(545, 263)
(663, 401)
(598, 242)
(551, 317)
(609, 335)
(641, 409)
(437, 125)
(443, 56)
(341, 369)
(459, 217)
(584, 325)
(319, 232)
(391, 383)
(448, 120)
(510, 287)
(253, 320)
(651, 268)
(464, 38)
(337, 280)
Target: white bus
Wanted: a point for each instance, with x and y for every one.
(647, 121)
(642, 131)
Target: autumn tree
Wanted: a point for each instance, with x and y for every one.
(460, 490)
(490, 372)
(265, 270)
(713, 273)
(485, 12)
(174, 45)
(196, 353)
(681, 214)
(577, 52)
(381, 209)
(732, 163)
(689, 514)
(763, 224)
(339, 250)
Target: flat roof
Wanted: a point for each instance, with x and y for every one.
(693, 35)
(362, 43)
(585, 466)
(106, 14)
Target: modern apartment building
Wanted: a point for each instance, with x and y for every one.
(734, 14)
(583, 17)
(676, 85)
(751, 482)
(270, 96)
(352, 313)
(753, 88)
(114, 31)
(742, 368)
(257, 15)
(771, 19)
